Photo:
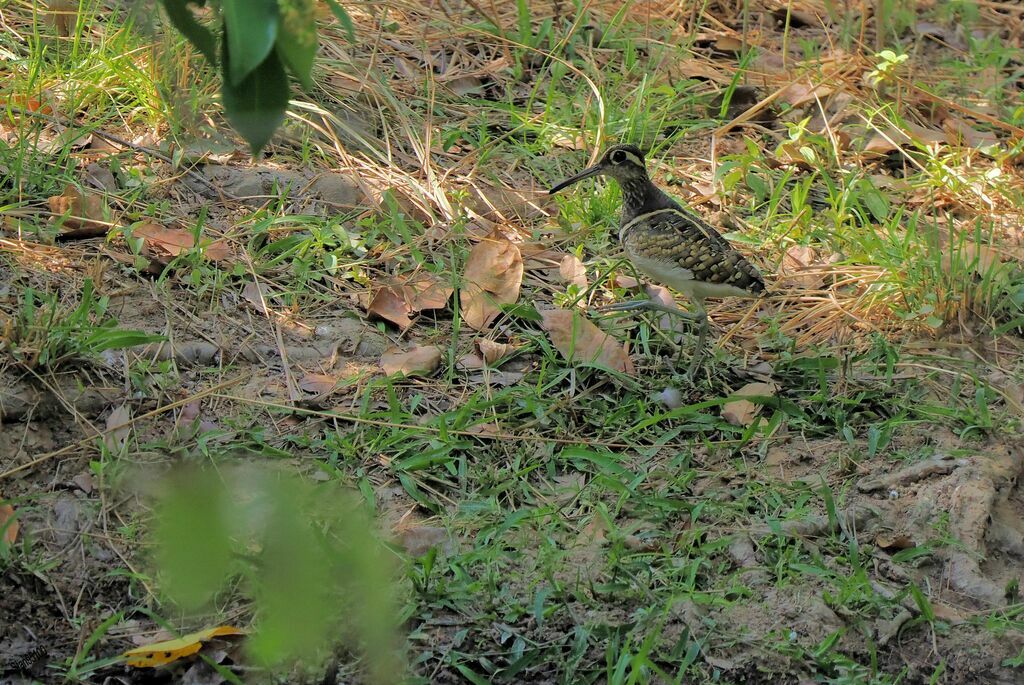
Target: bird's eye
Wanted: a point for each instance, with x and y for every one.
(618, 157)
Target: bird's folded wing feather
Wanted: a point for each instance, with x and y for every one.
(681, 237)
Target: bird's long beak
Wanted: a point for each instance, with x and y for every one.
(586, 173)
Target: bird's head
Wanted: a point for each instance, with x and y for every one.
(624, 163)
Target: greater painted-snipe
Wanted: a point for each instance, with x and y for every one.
(671, 244)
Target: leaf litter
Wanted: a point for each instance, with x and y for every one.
(493, 276)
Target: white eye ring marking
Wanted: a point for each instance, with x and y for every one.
(618, 157)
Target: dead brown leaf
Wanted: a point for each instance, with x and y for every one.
(794, 269)
(884, 142)
(426, 291)
(419, 539)
(743, 412)
(623, 281)
(891, 541)
(118, 427)
(571, 270)
(82, 212)
(728, 44)
(258, 295)
(800, 93)
(493, 352)
(493, 276)
(396, 302)
(318, 383)
(981, 259)
(959, 132)
(164, 244)
(578, 339)
(417, 361)
(8, 524)
(389, 303)
(471, 362)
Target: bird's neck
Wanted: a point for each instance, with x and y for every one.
(640, 196)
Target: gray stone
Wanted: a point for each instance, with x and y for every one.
(338, 190)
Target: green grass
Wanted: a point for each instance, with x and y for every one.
(597, 534)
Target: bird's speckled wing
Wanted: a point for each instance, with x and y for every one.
(683, 239)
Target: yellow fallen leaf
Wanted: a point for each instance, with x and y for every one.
(493, 276)
(742, 412)
(416, 361)
(578, 339)
(161, 653)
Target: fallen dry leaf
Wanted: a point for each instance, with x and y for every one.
(959, 132)
(416, 361)
(118, 427)
(800, 93)
(492, 352)
(663, 296)
(794, 268)
(389, 303)
(420, 539)
(578, 339)
(258, 295)
(893, 138)
(743, 412)
(494, 273)
(318, 383)
(623, 281)
(426, 291)
(396, 302)
(161, 653)
(82, 212)
(8, 524)
(571, 270)
(890, 541)
(164, 244)
(728, 44)
(471, 362)
(981, 259)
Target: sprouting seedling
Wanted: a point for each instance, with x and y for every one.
(884, 68)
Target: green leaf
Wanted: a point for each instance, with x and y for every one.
(296, 42)
(251, 28)
(197, 34)
(118, 339)
(255, 107)
(193, 546)
(876, 203)
(344, 19)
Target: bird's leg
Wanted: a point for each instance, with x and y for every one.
(650, 305)
(702, 336)
(700, 318)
